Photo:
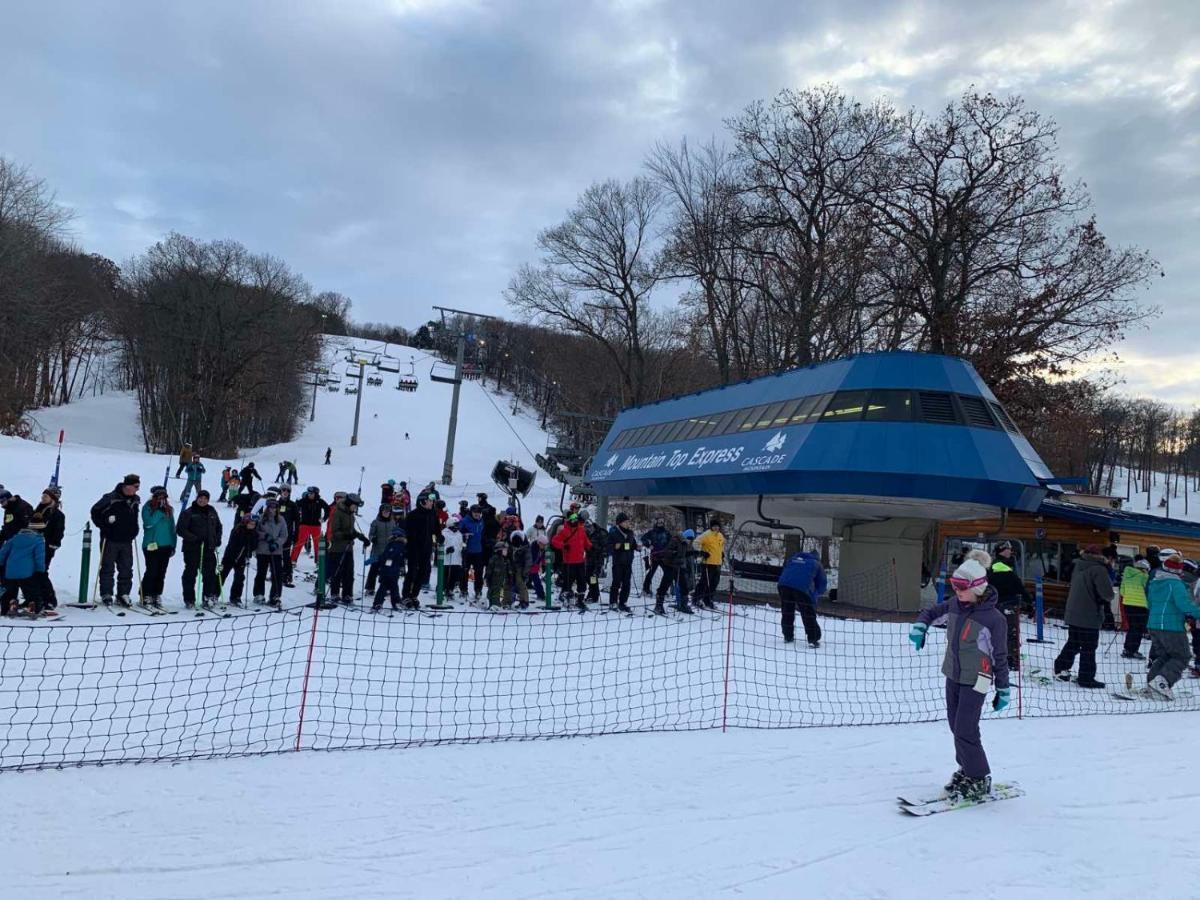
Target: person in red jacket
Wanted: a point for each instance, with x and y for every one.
(571, 541)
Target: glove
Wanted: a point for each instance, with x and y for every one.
(1000, 701)
(449, 550)
(363, 538)
(371, 560)
(916, 634)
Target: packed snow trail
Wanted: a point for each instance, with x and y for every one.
(773, 814)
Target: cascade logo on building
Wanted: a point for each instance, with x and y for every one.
(775, 444)
(612, 460)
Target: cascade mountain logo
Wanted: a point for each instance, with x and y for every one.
(776, 443)
(612, 460)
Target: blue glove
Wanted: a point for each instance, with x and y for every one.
(916, 634)
(1000, 701)
(370, 560)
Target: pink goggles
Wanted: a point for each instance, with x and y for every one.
(966, 584)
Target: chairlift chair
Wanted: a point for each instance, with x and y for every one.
(443, 373)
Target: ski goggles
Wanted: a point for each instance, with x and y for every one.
(966, 584)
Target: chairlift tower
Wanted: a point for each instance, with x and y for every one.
(448, 465)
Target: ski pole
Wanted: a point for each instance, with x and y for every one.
(58, 459)
(361, 471)
(96, 588)
(137, 562)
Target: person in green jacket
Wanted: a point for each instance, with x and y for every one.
(1169, 602)
(158, 544)
(1133, 603)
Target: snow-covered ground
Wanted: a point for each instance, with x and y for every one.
(1109, 812)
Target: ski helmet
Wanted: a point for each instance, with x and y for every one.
(398, 533)
(353, 500)
(391, 482)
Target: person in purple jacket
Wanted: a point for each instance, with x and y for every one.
(976, 661)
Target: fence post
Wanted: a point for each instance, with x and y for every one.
(85, 564)
(441, 576)
(320, 573)
(548, 575)
(1039, 611)
(941, 584)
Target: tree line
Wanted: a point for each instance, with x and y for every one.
(218, 342)
(819, 226)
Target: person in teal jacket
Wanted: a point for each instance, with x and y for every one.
(1169, 601)
(158, 544)
(22, 563)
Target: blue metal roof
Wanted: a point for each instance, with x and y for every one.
(988, 462)
(1119, 520)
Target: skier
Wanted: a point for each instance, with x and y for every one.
(801, 583)
(472, 533)
(1091, 590)
(49, 513)
(491, 524)
(976, 661)
(405, 498)
(195, 471)
(290, 513)
(675, 559)
(243, 542)
(1134, 606)
(380, 533)
(499, 576)
(247, 476)
(452, 554)
(200, 530)
(519, 552)
(572, 542)
(245, 502)
(1010, 590)
(622, 543)
(282, 473)
(391, 566)
(313, 511)
(328, 454)
(596, 557)
(342, 535)
(387, 491)
(537, 554)
(17, 513)
(712, 545)
(655, 541)
(226, 474)
(293, 474)
(272, 536)
(420, 526)
(1169, 601)
(158, 544)
(538, 529)
(185, 457)
(22, 568)
(116, 516)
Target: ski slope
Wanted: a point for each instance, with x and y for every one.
(103, 443)
(1109, 813)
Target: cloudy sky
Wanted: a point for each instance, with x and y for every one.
(406, 152)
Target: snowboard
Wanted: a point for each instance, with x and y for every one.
(942, 803)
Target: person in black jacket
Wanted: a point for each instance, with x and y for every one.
(1011, 596)
(200, 530)
(420, 526)
(118, 516)
(248, 474)
(622, 544)
(289, 511)
(54, 524)
(16, 516)
(313, 512)
(245, 501)
(243, 540)
(596, 557)
(491, 525)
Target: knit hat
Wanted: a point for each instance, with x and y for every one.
(1142, 564)
(622, 517)
(972, 573)
(398, 532)
(131, 479)
(392, 482)
(689, 534)
(158, 491)
(202, 493)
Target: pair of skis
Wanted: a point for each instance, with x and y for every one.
(943, 803)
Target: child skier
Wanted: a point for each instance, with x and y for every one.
(452, 549)
(1169, 602)
(499, 575)
(241, 548)
(22, 563)
(391, 567)
(976, 661)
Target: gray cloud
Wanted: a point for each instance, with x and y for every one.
(406, 152)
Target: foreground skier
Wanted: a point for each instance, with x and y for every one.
(976, 660)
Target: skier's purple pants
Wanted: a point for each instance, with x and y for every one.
(964, 705)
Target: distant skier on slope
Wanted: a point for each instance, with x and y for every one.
(976, 661)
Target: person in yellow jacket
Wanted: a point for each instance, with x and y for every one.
(712, 544)
(1133, 602)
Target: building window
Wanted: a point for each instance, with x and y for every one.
(889, 406)
(846, 406)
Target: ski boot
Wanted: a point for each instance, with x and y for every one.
(955, 784)
(275, 603)
(624, 607)
(1134, 655)
(816, 645)
(259, 600)
(581, 605)
(684, 608)
(1160, 687)
(708, 603)
(209, 603)
(659, 609)
(123, 601)
(155, 602)
(974, 789)
(107, 601)
(412, 603)
(236, 602)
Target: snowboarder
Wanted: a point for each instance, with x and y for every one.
(976, 661)
(1091, 590)
(54, 524)
(200, 530)
(572, 542)
(380, 534)
(712, 545)
(1134, 606)
(116, 516)
(22, 567)
(185, 457)
(391, 565)
(801, 583)
(622, 544)
(243, 542)
(272, 536)
(158, 544)
(1169, 602)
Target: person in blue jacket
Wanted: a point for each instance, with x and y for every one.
(1169, 602)
(801, 583)
(391, 562)
(473, 556)
(22, 565)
